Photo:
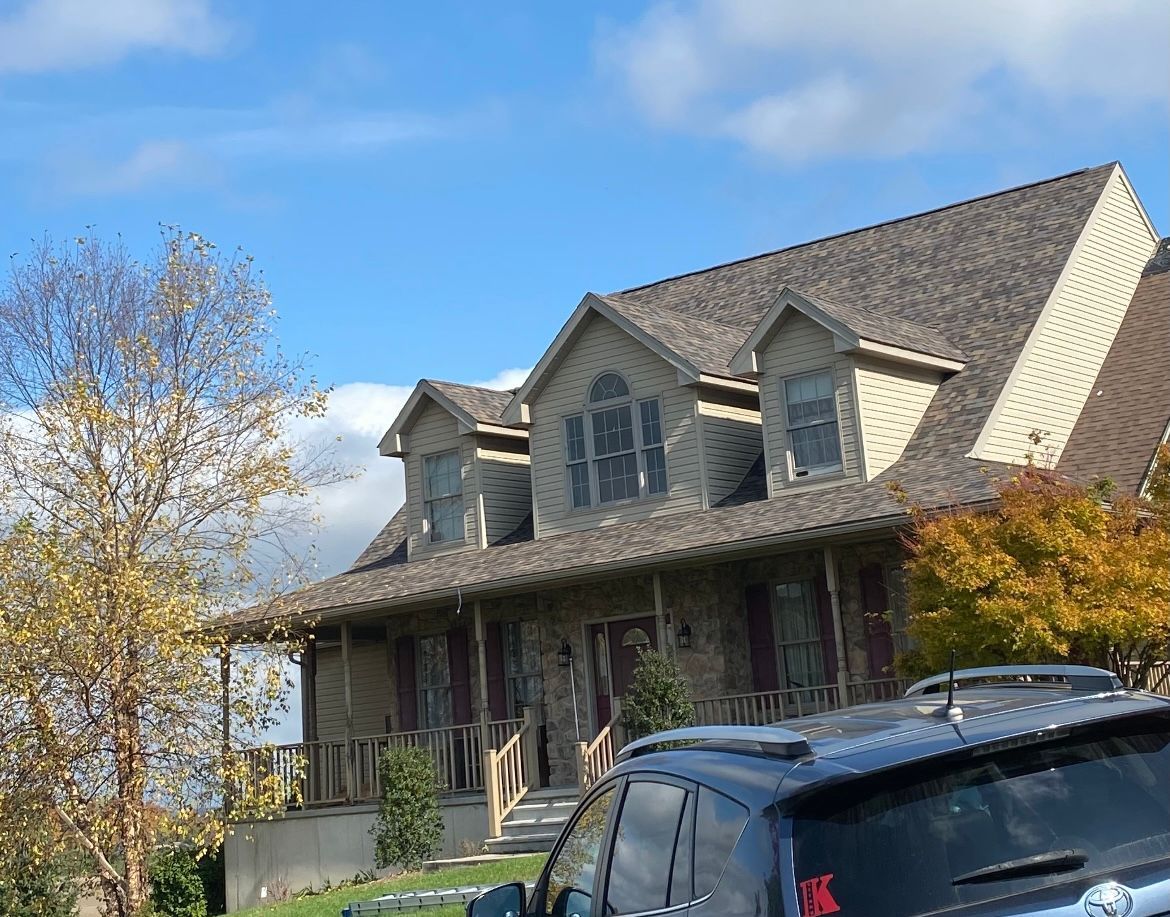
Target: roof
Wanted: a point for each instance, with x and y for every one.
(856, 329)
(976, 273)
(1110, 439)
(476, 408)
(484, 404)
(873, 737)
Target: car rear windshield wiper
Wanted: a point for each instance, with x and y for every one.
(1040, 864)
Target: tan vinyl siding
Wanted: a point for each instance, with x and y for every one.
(371, 690)
(506, 479)
(732, 440)
(891, 399)
(1069, 344)
(800, 347)
(437, 431)
(603, 346)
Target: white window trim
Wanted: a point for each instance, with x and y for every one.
(427, 541)
(794, 475)
(591, 458)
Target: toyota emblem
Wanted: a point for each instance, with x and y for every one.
(1109, 900)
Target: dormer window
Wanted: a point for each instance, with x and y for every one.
(814, 439)
(443, 497)
(614, 449)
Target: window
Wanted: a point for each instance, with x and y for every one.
(641, 869)
(616, 449)
(434, 682)
(443, 496)
(570, 877)
(974, 812)
(814, 444)
(801, 660)
(522, 668)
(899, 603)
(719, 822)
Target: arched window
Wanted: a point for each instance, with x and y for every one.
(607, 387)
(615, 449)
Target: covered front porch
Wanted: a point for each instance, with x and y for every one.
(513, 693)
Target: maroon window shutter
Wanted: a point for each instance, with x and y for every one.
(496, 686)
(761, 638)
(879, 641)
(407, 687)
(459, 664)
(828, 632)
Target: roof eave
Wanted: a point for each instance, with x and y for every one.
(909, 357)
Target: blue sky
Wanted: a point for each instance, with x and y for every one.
(431, 188)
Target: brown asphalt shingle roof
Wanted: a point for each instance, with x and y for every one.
(888, 329)
(708, 344)
(1111, 439)
(977, 273)
(484, 404)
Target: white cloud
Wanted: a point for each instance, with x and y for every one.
(150, 165)
(834, 78)
(49, 35)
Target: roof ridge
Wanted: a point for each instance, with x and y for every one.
(673, 312)
(475, 388)
(878, 225)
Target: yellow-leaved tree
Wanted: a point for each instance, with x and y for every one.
(147, 476)
(1057, 572)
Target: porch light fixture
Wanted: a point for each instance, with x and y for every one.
(565, 654)
(682, 636)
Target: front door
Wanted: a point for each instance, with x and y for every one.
(615, 646)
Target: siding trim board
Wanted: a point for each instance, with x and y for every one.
(1085, 309)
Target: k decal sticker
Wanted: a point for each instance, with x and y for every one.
(815, 898)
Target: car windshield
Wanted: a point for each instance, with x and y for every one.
(1006, 820)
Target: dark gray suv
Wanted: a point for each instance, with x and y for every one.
(1039, 790)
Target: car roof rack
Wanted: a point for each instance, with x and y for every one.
(771, 740)
(1077, 677)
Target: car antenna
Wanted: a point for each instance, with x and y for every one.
(952, 711)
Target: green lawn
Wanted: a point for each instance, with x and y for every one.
(331, 903)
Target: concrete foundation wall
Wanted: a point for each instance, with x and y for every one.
(305, 849)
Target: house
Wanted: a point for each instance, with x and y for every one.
(701, 465)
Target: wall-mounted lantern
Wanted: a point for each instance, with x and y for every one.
(565, 654)
(682, 636)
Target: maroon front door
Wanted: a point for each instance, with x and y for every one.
(614, 647)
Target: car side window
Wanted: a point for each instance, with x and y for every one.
(719, 822)
(570, 875)
(643, 865)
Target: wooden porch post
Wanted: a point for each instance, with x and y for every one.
(347, 674)
(309, 689)
(225, 688)
(834, 587)
(481, 655)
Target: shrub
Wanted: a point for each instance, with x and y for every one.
(659, 697)
(214, 881)
(176, 889)
(408, 829)
(30, 888)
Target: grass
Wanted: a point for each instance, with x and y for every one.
(330, 904)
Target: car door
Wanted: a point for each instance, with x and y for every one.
(567, 887)
(650, 849)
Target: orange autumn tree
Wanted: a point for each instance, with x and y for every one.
(146, 479)
(1058, 572)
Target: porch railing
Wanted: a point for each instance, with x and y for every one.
(509, 771)
(877, 689)
(763, 707)
(336, 771)
(596, 757)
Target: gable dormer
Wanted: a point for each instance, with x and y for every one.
(468, 483)
(842, 388)
(612, 413)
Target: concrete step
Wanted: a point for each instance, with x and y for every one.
(528, 843)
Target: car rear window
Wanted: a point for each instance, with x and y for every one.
(896, 845)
